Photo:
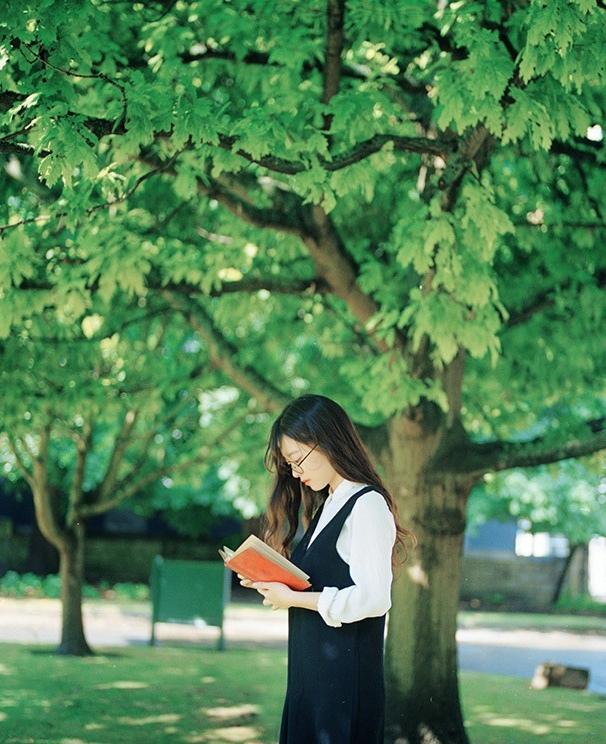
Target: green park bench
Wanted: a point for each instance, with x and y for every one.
(189, 591)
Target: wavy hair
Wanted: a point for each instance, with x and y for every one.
(317, 420)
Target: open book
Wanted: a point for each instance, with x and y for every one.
(256, 561)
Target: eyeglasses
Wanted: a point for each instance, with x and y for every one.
(296, 466)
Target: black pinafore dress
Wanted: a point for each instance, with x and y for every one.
(335, 691)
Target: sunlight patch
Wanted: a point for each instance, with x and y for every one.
(244, 734)
(165, 718)
(4, 670)
(418, 575)
(122, 685)
(583, 707)
(3, 716)
(246, 710)
(94, 726)
(208, 680)
(525, 724)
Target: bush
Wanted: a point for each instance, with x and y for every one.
(13, 584)
(580, 603)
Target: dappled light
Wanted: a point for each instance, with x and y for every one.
(524, 724)
(244, 734)
(222, 699)
(526, 720)
(582, 707)
(94, 727)
(418, 575)
(231, 711)
(122, 685)
(210, 208)
(163, 718)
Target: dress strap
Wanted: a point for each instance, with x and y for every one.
(336, 523)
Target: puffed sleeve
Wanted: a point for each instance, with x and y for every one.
(372, 536)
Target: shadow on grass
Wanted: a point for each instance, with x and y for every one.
(52, 651)
(502, 710)
(139, 696)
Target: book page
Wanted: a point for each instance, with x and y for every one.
(272, 555)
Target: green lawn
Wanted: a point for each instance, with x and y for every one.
(181, 695)
(533, 621)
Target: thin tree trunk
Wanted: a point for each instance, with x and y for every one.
(421, 665)
(562, 577)
(73, 640)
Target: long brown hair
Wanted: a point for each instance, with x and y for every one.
(317, 420)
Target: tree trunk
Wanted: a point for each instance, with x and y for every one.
(71, 553)
(560, 581)
(576, 582)
(421, 666)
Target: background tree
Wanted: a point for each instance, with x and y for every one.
(104, 414)
(410, 191)
(565, 499)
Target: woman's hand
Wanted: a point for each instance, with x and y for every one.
(276, 595)
(246, 582)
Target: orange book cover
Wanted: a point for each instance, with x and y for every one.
(257, 561)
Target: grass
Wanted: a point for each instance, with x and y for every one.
(139, 695)
(189, 695)
(532, 621)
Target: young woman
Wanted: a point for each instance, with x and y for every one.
(335, 690)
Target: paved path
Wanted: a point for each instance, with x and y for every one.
(509, 652)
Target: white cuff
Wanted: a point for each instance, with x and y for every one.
(325, 600)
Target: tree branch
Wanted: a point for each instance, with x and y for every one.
(476, 459)
(96, 207)
(83, 444)
(352, 71)
(42, 492)
(26, 472)
(331, 263)
(125, 491)
(545, 300)
(335, 18)
(277, 285)
(223, 353)
(268, 218)
(578, 150)
(120, 444)
(103, 127)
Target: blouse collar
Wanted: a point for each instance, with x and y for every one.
(343, 490)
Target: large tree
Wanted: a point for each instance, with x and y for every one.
(412, 192)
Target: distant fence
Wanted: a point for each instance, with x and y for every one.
(527, 582)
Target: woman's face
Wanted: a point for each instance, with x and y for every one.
(317, 470)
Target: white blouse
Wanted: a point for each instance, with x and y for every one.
(365, 543)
